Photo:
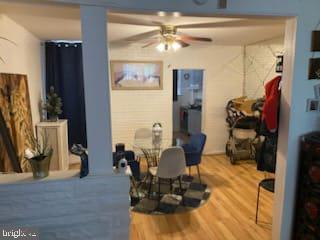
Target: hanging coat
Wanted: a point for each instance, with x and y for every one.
(272, 103)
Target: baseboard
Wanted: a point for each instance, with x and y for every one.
(214, 153)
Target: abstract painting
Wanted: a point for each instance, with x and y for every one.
(136, 75)
(16, 112)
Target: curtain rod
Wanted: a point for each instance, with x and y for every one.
(64, 41)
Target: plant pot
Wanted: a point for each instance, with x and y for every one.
(53, 118)
(40, 166)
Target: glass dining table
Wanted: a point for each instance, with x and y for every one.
(150, 150)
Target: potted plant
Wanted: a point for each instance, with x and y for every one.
(53, 105)
(39, 156)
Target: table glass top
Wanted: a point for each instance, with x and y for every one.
(149, 143)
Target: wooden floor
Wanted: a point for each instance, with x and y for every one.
(229, 213)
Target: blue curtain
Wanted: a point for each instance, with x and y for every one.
(64, 71)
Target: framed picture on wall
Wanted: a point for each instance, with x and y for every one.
(313, 105)
(317, 91)
(314, 68)
(315, 44)
(136, 75)
(279, 64)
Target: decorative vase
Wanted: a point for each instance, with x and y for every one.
(40, 166)
(157, 134)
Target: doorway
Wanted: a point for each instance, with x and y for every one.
(187, 103)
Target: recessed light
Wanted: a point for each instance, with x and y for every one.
(176, 14)
(161, 14)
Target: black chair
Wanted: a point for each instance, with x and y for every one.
(267, 184)
(266, 155)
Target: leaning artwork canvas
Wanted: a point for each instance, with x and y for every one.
(136, 75)
(16, 112)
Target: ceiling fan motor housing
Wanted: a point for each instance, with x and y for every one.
(168, 30)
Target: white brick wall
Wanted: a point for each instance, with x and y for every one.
(223, 80)
(95, 207)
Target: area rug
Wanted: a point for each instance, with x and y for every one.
(192, 196)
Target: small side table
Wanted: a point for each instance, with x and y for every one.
(267, 184)
(57, 133)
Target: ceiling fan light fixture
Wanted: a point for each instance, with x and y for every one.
(167, 46)
(176, 46)
(161, 47)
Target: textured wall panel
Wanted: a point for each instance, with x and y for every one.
(260, 65)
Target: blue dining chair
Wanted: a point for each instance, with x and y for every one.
(193, 151)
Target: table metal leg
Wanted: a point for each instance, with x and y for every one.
(150, 185)
(159, 198)
(180, 185)
(134, 186)
(199, 173)
(257, 208)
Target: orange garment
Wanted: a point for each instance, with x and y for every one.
(271, 106)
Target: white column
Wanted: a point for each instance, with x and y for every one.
(287, 154)
(96, 88)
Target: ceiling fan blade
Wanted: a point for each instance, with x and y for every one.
(116, 18)
(237, 23)
(183, 44)
(192, 38)
(118, 44)
(150, 43)
(142, 36)
(157, 23)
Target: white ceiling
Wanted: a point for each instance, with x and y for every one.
(51, 22)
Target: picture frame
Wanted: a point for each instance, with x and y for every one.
(315, 43)
(279, 64)
(317, 91)
(313, 105)
(314, 68)
(136, 75)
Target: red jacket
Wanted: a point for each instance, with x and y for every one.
(271, 105)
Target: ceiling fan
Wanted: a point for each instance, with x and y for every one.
(169, 37)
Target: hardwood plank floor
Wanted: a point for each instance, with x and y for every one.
(229, 213)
